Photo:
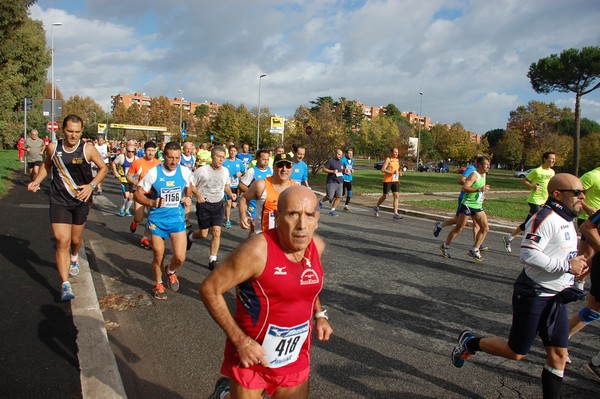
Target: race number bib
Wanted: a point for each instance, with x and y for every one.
(234, 181)
(283, 344)
(271, 220)
(480, 197)
(395, 177)
(171, 197)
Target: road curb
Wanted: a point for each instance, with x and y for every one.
(100, 377)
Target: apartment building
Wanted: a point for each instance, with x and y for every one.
(141, 99)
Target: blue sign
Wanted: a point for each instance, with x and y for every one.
(212, 137)
(183, 133)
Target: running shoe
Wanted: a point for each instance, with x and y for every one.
(212, 264)
(437, 229)
(376, 211)
(347, 209)
(145, 243)
(221, 388)
(66, 292)
(159, 291)
(484, 248)
(397, 216)
(189, 239)
(320, 205)
(172, 281)
(445, 251)
(129, 214)
(133, 226)
(333, 213)
(460, 353)
(74, 268)
(507, 240)
(228, 224)
(475, 254)
(121, 212)
(594, 369)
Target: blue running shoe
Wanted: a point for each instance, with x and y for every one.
(221, 387)
(437, 229)
(460, 353)
(66, 292)
(320, 205)
(121, 212)
(397, 216)
(375, 211)
(484, 248)
(74, 268)
(333, 212)
(228, 224)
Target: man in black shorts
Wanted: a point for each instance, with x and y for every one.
(210, 183)
(69, 161)
(550, 263)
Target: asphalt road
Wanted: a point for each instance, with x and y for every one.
(396, 306)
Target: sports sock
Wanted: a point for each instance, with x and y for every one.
(212, 257)
(128, 205)
(74, 258)
(473, 345)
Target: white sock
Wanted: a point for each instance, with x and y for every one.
(212, 257)
(556, 372)
(74, 258)
(128, 205)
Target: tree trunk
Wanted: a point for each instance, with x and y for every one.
(577, 133)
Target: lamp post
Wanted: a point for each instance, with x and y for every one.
(53, 135)
(180, 110)
(419, 134)
(258, 113)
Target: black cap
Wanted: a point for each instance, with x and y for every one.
(282, 158)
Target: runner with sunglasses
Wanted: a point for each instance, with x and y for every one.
(266, 192)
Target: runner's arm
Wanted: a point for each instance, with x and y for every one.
(246, 262)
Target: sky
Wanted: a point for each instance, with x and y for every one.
(468, 58)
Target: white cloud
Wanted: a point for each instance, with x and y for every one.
(469, 57)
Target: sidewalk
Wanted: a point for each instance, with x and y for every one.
(59, 349)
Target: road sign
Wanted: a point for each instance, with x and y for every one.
(183, 133)
(52, 126)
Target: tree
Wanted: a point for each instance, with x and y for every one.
(23, 63)
(567, 127)
(494, 136)
(510, 148)
(380, 135)
(574, 71)
(590, 148)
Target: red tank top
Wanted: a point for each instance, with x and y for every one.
(276, 309)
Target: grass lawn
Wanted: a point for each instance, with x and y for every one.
(9, 161)
(368, 181)
(511, 208)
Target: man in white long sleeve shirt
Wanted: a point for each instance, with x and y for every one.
(550, 263)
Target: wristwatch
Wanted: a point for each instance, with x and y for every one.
(322, 313)
(93, 186)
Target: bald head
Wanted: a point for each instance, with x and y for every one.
(296, 193)
(564, 181)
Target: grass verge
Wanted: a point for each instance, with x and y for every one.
(367, 181)
(9, 162)
(513, 209)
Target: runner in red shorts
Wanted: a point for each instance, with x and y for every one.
(278, 276)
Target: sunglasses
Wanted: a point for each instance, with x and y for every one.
(287, 165)
(576, 193)
(131, 152)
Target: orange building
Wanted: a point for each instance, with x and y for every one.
(141, 99)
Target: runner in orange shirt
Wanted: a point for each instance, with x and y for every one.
(136, 173)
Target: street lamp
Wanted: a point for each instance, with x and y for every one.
(419, 135)
(258, 113)
(180, 111)
(52, 102)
